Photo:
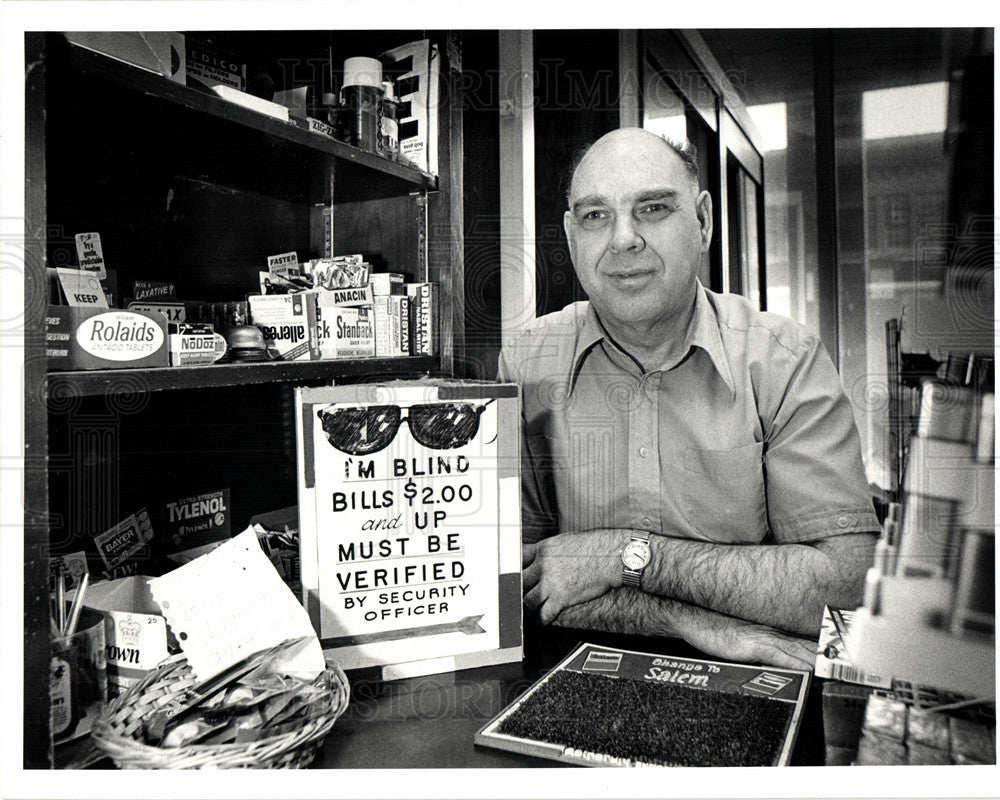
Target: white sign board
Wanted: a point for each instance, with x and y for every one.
(410, 524)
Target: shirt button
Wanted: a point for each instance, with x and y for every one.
(843, 522)
(643, 451)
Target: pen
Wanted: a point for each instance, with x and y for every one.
(60, 599)
(74, 612)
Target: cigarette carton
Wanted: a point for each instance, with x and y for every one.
(423, 318)
(95, 338)
(288, 322)
(392, 325)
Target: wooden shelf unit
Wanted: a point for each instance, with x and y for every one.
(187, 187)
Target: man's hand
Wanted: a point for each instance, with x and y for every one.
(749, 643)
(570, 568)
(627, 610)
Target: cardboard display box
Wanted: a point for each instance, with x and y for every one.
(288, 322)
(383, 283)
(423, 318)
(345, 332)
(392, 325)
(135, 633)
(99, 338)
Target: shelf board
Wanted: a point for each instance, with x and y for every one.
(159, 88)
(158, 379)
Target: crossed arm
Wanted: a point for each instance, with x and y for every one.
(725, 599)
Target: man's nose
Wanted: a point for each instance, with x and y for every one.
(625, 235)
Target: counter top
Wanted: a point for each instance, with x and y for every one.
(429, 722)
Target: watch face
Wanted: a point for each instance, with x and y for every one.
(635, 555)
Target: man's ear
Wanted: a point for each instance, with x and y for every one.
(567, 226)
(703, 207)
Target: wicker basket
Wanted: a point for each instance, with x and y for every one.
(118, 731)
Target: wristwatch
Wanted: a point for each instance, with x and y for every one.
(635, 558)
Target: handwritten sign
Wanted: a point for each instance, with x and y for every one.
(230, 603)
(410, 549)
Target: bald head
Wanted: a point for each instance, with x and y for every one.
(635, 143)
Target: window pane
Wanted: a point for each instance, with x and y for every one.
(662, 108)
(891, 108)
(773, 73)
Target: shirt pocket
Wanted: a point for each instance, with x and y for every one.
(721, 493)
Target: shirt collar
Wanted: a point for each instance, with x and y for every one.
(703, 332)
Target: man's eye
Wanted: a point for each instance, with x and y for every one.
(595, 218)
(653, 211)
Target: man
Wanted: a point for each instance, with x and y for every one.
(691, 465)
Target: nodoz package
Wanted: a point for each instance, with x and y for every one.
(94, 338)
(192, 343)
(288, 322)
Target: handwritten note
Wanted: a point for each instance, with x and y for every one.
(230, 603)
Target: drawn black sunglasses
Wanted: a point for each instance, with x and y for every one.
(360, 430)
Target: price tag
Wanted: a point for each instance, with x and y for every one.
(89, 254)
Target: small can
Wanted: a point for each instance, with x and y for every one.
(360, 96)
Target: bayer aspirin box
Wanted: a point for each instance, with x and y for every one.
(94, 338)
(288, 322)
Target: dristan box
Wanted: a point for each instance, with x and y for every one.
(78, 337)
(409, 516)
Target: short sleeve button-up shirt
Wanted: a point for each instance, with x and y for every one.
(748, 439)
